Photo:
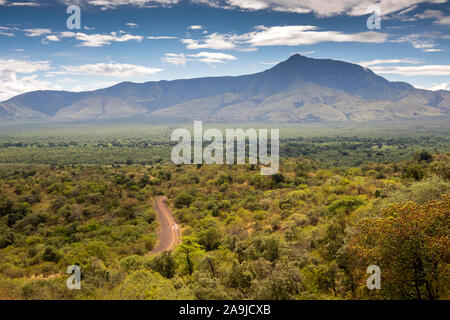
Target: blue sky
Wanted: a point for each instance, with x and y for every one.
(143, 40)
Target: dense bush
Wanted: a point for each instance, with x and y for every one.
(307, 233)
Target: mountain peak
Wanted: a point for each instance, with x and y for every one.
(294, 90)
(296, 58)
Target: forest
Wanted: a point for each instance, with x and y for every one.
(343, 199)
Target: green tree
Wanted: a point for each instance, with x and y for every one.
(164, 264)
(188, 250)
(183, 199)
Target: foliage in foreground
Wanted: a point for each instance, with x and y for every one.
(307, 233)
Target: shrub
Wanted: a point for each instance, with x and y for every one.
(132, 263)
(183, 199)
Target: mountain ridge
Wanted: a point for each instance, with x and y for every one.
(295, 90)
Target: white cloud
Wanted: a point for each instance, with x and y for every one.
(195, 27)
(323, 8)
(11, 84)
(436, 15)
(99, 40)
(270, 63)
(36, 32)
(419, 42)
(108, 69)
(307, 35)
(440, 86)
(160, 37)
(52, 38)
(247, 49)
(320, 8)
(432, 50)
(388, 61)
(25, 4)
(405, 11)
(17, 3)
(424, 70)
(132, 25)
(205, 57)
(68, 34)
(250, 4)
(6, 31)
(306, 53)
(23, 66)
(212, 57)
(281, 36)
(112, 4)
(176, 59)
(213, 41)
(92, 86)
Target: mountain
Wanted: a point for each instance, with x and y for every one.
(298, 89)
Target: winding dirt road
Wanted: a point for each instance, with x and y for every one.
(169, 234)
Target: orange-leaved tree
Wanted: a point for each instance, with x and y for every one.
(410, 243)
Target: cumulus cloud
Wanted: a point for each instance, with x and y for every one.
(385, 66)
(281, 36)
(320, 8)
(12, 84)
(195, 27)
(175, 59)
(437, 15)
(23, 66)
(52, 38)
(212, 57)
(213, 41)
(424, 70)
(112, 4)
(19, 3)
(108, 69)
(419, 42)
(307, 35)
(36, 32)
(160, 37)
(250, 4)
(99, 40)
(6, 31)
(25, 4)
(205, 57)
(440, 86)
(388, 61)
(92, 86)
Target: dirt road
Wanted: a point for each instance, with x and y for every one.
(169, 234)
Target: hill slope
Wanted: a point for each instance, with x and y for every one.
(298, 89)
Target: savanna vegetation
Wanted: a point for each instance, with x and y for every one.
(308, 232)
